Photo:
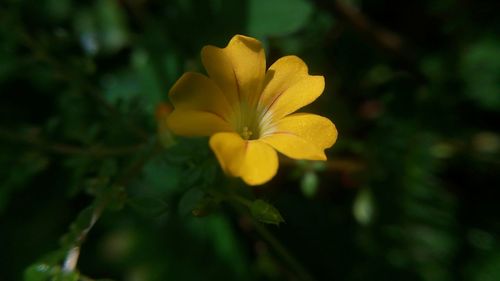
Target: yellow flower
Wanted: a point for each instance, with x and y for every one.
(248, 112)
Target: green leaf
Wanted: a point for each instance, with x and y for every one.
(277, 17)
(265, 212)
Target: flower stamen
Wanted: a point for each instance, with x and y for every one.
(246, 133)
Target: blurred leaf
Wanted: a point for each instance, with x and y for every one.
(152, 89)
(149, 206)
(205, 207)
(161, 177)
(123, 89)
(112, 25)
(309, 184)
(363, 207)
(218, 231)
(481, 73)
(45, 272)
(485, 268)
(85, 26)
(277, 17)
(190, 200)
(17, 174)
(83, 222)
(59, 9)
(66, 276)
(39, 272)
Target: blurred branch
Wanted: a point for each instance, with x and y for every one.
(379, 36)
(345, 165)
(382, 37)
(337, 165)
(62, 148)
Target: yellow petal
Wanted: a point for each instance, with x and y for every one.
(254, 161)
(194, 91)
(289, 87)
(238, 69)
(194, 123)
(301, 136)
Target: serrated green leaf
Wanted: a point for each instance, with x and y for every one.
(265, 212)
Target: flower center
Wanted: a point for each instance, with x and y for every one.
(246, 122)
(246, 133)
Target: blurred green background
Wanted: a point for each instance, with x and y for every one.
(410, 191)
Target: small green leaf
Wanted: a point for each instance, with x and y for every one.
(265, 212)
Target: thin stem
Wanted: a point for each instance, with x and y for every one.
(278, 247)
(242, 200)
(71, 259)
(282, 251)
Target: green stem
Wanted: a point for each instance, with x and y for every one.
(242, 200)
(283, 252)
(278, 247)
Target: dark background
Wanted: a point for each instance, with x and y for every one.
(410, 191)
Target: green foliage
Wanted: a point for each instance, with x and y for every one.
(44, 272)
(409, 191)
(481, 71)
